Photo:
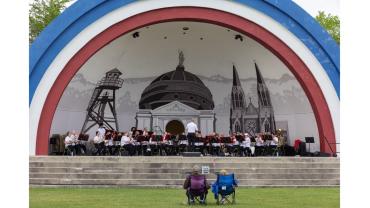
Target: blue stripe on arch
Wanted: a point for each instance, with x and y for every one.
(84, 12)
(304, 26)
(61, 31)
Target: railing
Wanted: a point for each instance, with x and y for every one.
(334, 153)
(111, 82)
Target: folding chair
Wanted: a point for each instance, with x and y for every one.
(197, 189)
(225, 187)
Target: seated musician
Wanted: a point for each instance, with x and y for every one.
(109, 142)
(233, 147)
(281, 142)
(80, 143)
(145, 132)
(246, 145)
(183, 143)
(153, 142)
(223, 146)
(259, 145)
(134, 135)
(127, 143)
(198, 144)
(227, 144)
(215, 143)
(75, 142)
(166, 143)
(69, 143)
(274, 141)
(98, 142)
(273, 144)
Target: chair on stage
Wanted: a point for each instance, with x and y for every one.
(197, 190)
(224, 186)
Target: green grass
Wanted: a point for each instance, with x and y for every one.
(171, 198)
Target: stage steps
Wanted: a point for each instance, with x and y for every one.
(115, 171)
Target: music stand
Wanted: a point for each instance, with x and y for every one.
(117, 138)
(182, 137)
(226, 140)
(309, 140)
(158, 138)
(253, 139)
(240, 138)
(141, 138)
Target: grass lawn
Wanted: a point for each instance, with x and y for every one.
(171, 198)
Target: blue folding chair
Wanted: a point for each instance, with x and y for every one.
(224, 186)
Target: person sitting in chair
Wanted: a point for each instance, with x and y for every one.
(224, 185)
(196, 186)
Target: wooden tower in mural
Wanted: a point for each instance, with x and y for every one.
(104, 94)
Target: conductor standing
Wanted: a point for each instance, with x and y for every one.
(191, 128)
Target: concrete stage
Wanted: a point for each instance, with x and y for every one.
(115, 171)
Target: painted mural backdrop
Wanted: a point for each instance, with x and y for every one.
(210, 52)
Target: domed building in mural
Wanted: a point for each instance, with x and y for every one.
(179, 85)
(175, 98)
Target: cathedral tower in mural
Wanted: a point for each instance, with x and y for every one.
(248, 118)
(265, 110)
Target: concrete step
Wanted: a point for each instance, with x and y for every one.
(110, 165)
(176, 159)
(170, 171)
(171, 176)
(177, 170)
(179, 182)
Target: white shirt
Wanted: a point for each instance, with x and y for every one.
(110, 142)
(259, 142)
(101, 131)
(125, 140)
(68, 141)
(274, 141)
(191, 127)
(246, 142)
(96, 139)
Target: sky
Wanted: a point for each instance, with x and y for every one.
(314, 6)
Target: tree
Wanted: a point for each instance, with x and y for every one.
(331, 23)
(41, 13)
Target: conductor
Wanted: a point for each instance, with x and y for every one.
(191, 128)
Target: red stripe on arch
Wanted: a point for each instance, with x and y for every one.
(258, 33)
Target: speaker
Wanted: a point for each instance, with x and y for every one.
(302, 149)
(191, 154)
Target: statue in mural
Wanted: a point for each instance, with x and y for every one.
(181, 59)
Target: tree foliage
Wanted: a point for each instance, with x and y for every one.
(41, 13)
(331, 23)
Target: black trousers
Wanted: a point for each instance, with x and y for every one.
(100, 148)
(191, 140)
(80, 149)
(72, 150)
(246, 151)
(130, 149)
(192, 194)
